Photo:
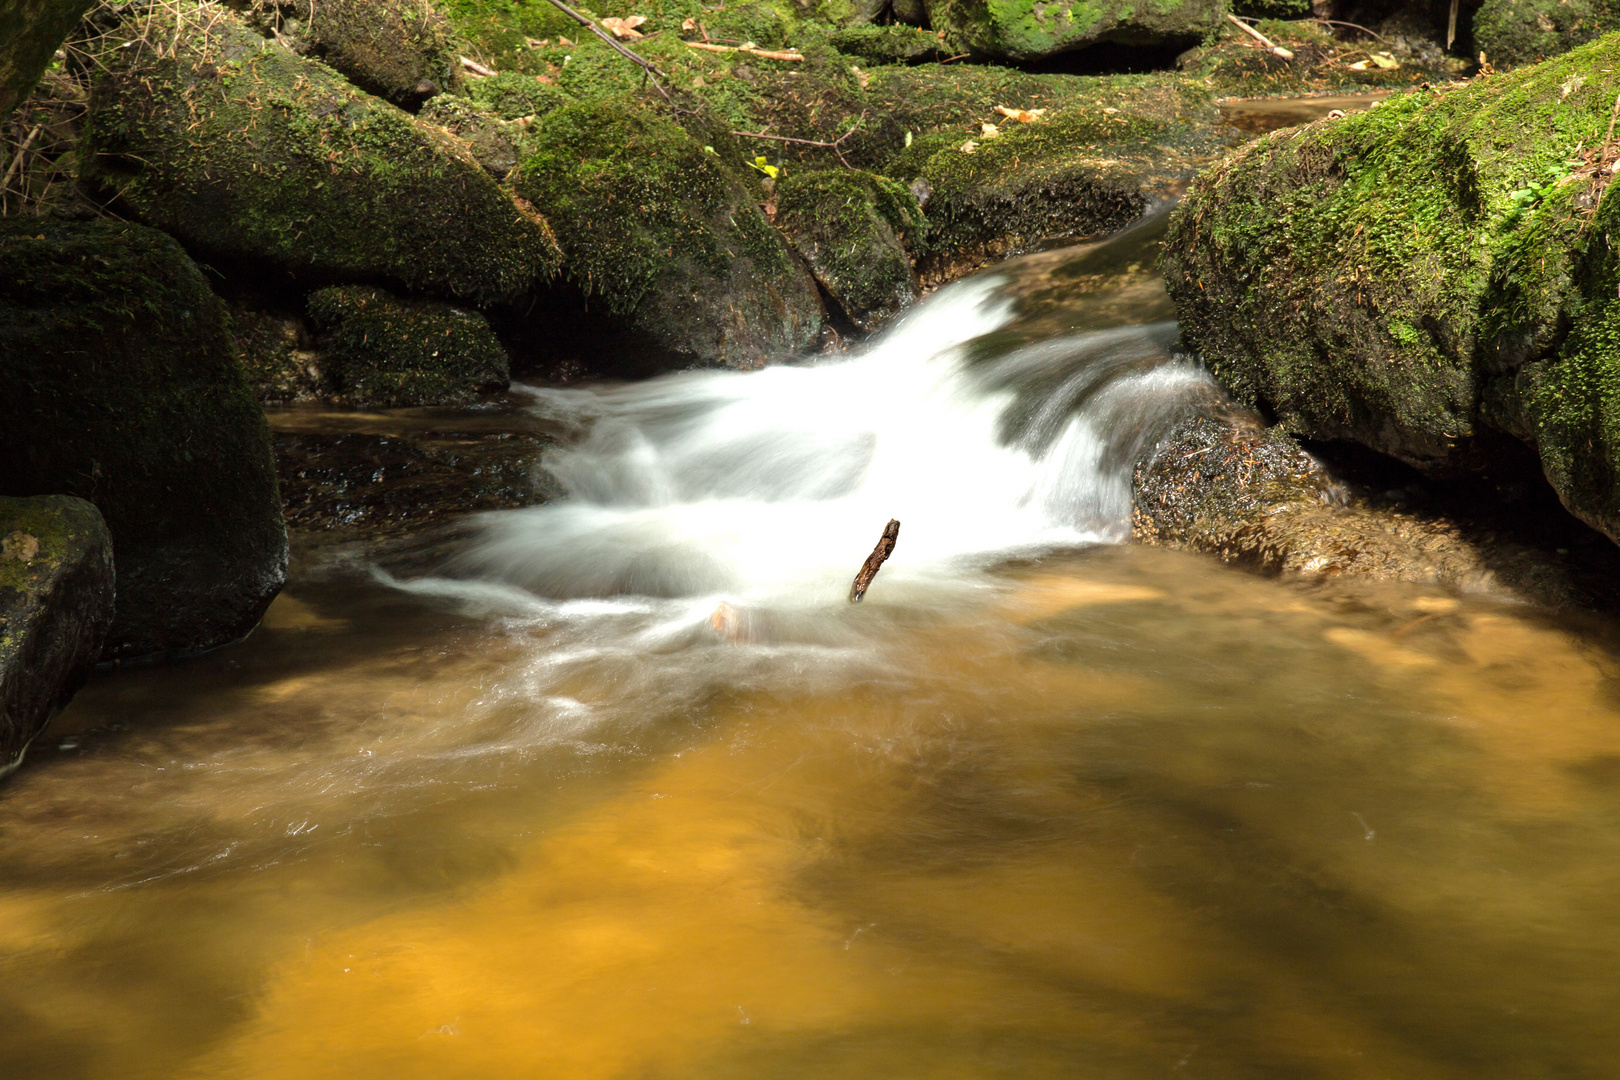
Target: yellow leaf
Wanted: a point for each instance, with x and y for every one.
(1385, 61)
(1023, 116)
(688, 24)
(990, 131)
(624, 28)
(969, 146)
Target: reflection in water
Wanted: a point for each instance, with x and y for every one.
(1040, 806)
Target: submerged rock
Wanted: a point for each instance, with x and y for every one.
(56, 602)
(854, 229)
(119, 384)
(1417, 275)
(378, 350)
(663, 238)
(1032, 29)
(402, 50)
(248, 152)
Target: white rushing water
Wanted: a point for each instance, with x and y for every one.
(768, 488)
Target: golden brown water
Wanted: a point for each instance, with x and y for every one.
(1117, 813)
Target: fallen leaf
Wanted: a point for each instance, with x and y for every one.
(624, 28)
(969, 146)
(543, 79)
(860, 76)
(990, 131)
(1385, 61)
(565, 43)
(1023, 116)
(688, 24)
(1359, 65)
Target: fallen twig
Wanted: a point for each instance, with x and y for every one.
(874, 561)
(768, 54)
(1252, 32)
(477, 69)
(17, 159)
(1604, 154)
(1351, 25)
(834, 146)
(653, 74)
(958, 56)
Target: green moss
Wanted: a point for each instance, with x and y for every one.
(1030, 29)
(1272, 9)
(854, 229)
(888, 44)
(1231, 65)
(380, 351)
(119, 384)
(1406, 275)
(512, 96)
(1513, 32)
(657, 229)
(494, 143)
(401, 50)
(244, 150)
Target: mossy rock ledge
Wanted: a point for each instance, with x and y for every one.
(401, 50)
(378, 350)
(853, 229)
(30, 31)
(245, 151)
(664, 240)
(119, 384)
(56, 602)
(1514, 32)
(1415, 275)
(1032, 29)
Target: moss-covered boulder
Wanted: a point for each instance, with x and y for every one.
(378, 350)
(492, 141)
(1073, 173)
(56, 602)
(664, 239)
(1514, 32)
(401, 50)
(119, 384)
(854, 230)
(1415, 275)
(30, 31)
(246, 151)
(1031, 29)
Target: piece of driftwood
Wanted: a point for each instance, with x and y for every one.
(874, 561)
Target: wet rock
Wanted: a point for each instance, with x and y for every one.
(119, 384)
(1514, 32)
(277, 355)
(250, 153)
(404, 51)
(378, 350)
(1032, 29)
(1419, 276)
(854, 230)
(1221, 484)
(664, 239)
(30, 31)
(368, 480)
(56, 602)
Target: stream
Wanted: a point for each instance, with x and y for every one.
(621, 785)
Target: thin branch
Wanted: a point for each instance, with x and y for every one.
(835, 146)
(1252, 32)
(646, 65)
(1351, 25)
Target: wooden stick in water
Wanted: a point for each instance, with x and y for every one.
(874, 561)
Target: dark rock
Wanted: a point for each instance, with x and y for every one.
(400, 50)
(278, 161)
(663, 238)
(378, 350)
(854, 230)
(56, 602)
(119, 384)
(1031, 29)
(30, 31)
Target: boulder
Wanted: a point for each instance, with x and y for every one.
(379, 351)
(56, 602)
(853, 228)
(119, 384)
(250, 153)
(404, 51)
(1032, 29)
(1514, 32)
(1417, 275)
(30, 31)
(664, 239)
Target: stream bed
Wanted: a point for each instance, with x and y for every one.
(621, 786)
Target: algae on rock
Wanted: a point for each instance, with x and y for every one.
(1514, 32)
(662, 236)
(246, 151)
(1410, 275)
(119, 384)
(381, 351)
(854, 229)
